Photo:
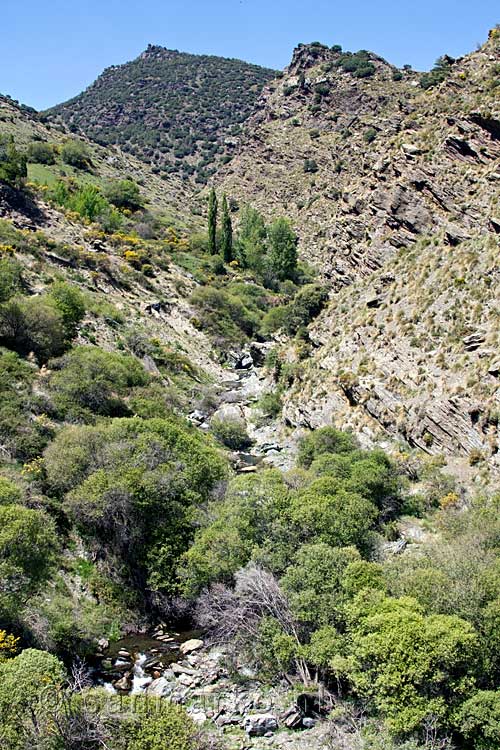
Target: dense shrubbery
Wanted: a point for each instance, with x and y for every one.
(338, 508)
(76, 154)
(124, 194)
(358, 63)
(88, 201)
(132, 486)
(305, 306)
(40, 707)
(89, 382)
(44, 324)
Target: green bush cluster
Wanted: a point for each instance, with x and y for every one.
(76, 154)
(44, 324)
(40, 152)
(337, 504)
(358, 63)
(130, 486)
(438, 74)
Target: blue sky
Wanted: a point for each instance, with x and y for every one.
(52, 49)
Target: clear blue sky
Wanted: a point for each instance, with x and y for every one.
(52, 49)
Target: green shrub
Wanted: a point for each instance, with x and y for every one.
(133, 487)
(70, 302)
(410, 665)
(324, 440)
(25, 681)
(438, 74)
(9, 492)
(310, 165)
(28, 546)
(21, 435)
(124, 194)
(231, 433)
(10, 278)
(76, 154)
(271, 403)
(305, 306)
(32, 324)
(166, 726)
(12, 163)
(479, 720)
(89, 381)
(282, 257)
(224, 315)
(41, 153)
(313, 583)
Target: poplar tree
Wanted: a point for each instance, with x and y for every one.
(283, 250)
(227, 233)
(212, 222)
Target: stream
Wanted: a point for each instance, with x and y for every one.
(132, 663)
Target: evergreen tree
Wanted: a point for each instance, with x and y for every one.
(212, 222)
(227, 233)
(283, 250)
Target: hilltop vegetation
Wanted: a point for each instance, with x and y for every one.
(178, 112)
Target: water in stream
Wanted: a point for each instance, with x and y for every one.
(132, 663)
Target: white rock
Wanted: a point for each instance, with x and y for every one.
(192, 645)
(257, 725)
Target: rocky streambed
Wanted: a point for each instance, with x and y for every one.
(219, 692)
(237, 402)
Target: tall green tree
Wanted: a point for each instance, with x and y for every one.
(252, 239)
(283, 250)
(227, 233)
(212, 222)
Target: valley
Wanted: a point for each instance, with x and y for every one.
(250, 407)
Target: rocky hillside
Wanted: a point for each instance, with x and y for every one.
(394, 192)
(176, 111)
(364, 160)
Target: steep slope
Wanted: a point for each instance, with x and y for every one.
(176, 111)
(363, 165)
(399, 209)
(169, 195)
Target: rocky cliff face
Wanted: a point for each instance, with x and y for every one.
(394, 193)
(364, 165)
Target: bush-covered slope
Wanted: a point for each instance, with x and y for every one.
(177, 111)
(166, 194)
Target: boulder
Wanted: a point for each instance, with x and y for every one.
(294, 720)
(494, 368)
(160, 688)
(473, 341)
(257, 725)
(192, 645)
(124, 683)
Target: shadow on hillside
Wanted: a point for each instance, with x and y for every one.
(19, 206)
